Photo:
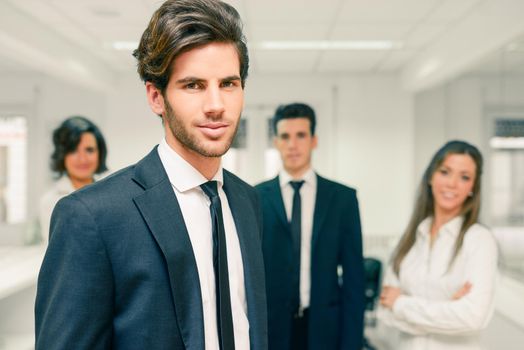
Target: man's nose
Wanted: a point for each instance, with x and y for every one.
(213, 103)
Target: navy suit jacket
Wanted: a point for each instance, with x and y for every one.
(336, 311)
(119, 272)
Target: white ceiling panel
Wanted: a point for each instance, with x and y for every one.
(394, 60)
(386, 10)
(102, 12)
(111, 33)
(424, 35)
(265, 32)
(10, 66)
(291, 11)
(40, 10)
(349, 61)
(452, 10)
(284, 61)
(421, 25)
(371, 31)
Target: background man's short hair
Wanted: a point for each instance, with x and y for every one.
(295, 110)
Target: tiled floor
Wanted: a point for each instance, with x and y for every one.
(501, 333)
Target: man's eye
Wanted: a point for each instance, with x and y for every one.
(229, 84)
(193, 86)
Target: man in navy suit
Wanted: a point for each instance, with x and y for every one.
(166, 254)
(312, 246)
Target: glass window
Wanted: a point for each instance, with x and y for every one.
(13, 169)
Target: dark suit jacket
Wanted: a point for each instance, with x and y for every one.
(336, 308)
(119, 272)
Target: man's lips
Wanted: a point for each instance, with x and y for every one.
(214, 129)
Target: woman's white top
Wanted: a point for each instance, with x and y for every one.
(60, 188)
(425, 313)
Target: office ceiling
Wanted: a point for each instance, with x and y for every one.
(435, 39)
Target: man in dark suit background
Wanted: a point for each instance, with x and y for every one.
(312, 246)
(166, 254)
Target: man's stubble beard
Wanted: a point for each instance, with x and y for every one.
(191, 142)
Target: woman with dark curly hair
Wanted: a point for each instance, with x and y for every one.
(79, 153)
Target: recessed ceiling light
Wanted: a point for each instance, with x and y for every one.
(331, 45)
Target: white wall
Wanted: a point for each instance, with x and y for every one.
(131, 128)
(461, 109)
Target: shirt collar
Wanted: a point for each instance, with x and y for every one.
(451, 228)
(182, 175)
(309, 177)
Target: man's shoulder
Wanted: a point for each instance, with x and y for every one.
(240, 185)
(265, 185)
(107, 192)
(337, 186)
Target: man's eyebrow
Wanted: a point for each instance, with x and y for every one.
(189, 80)
(230, 78)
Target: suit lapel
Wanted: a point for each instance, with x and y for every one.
(161, 211)
(246, 224)
(275, 197)
(323, 198)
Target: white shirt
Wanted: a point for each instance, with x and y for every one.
(61, 188)
(308, 193)
(194, 204)
(425, 314)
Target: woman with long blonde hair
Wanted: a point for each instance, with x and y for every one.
(438, 290)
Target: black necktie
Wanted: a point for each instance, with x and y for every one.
(296, 228)
(226, 336)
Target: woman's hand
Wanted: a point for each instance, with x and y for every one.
(389, 295)
(465, 289)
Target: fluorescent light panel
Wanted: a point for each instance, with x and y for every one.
(331, 45)
(507, 142)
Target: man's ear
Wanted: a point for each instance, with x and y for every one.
(314, 141)
(155, 99)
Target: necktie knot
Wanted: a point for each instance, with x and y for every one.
(210, 188)
(296, 184)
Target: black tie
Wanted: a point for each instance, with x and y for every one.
(226, 336)
(296, 228)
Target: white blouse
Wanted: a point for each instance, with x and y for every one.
(61, 188)
(425, 314)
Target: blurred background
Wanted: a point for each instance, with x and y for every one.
(390, 80)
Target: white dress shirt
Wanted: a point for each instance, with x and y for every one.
(308, 193)
(194, 203)
(61, 188)
(425, 313)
